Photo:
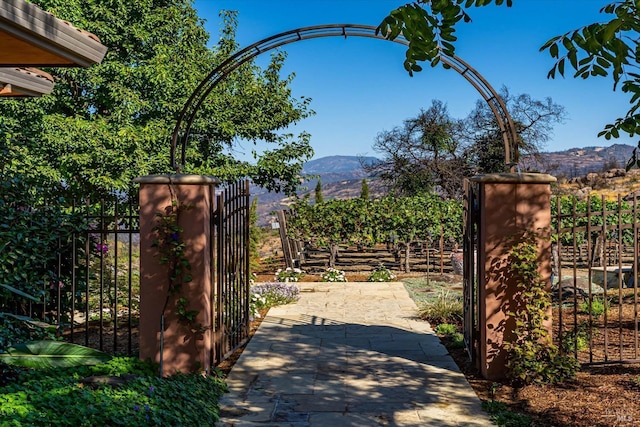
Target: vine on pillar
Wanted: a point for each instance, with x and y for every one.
(171, 252)
(533, 358)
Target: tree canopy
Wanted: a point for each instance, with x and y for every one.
(607, 49)
(104, 125)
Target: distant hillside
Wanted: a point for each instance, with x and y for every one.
(336, 164)
(341, 177)
(581, 161)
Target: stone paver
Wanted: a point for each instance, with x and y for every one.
(348, 354)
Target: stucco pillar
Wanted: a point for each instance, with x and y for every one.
(509, 204)
(183, 348)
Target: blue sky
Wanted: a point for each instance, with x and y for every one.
(359, 87)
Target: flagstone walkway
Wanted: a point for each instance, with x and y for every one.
(348, 354)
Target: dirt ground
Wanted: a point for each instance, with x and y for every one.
(603, 396)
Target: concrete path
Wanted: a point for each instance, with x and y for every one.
(348, 354)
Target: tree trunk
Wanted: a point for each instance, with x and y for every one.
(407, 256)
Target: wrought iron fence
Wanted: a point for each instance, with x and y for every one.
(92, 291)
(108, 314)
(470, 272)
(595, 270)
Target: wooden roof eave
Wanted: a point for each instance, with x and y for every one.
(24, 82)
(55, 43)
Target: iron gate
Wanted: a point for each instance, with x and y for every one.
(230, 229)
(470, 242)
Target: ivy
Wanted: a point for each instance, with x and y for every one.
(532, 356)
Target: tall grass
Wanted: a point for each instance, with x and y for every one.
(445, 307)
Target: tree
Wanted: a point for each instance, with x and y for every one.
(107, 124)
(436, 151)
(318, 192)
(421, 155)
(600, 48)
(597, 50)
(429, 27)
(533, 118)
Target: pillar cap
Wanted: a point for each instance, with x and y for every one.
(177, 179)
(535, 178)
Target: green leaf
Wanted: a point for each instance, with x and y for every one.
(19, 292)
(52, 354)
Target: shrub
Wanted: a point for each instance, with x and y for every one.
(456, 340)
(381, 274)
(35, 234)
(446, 329)
(16, 330)
(596, 307)
(446, 307)
(502, 416)
(453, 338)
(576, 339)
(289, 275)
(333, 275)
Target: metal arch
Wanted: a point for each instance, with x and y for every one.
(187, 115)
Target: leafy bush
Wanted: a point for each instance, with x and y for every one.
(289, 275)
(456, 340)
(451, 334)
(333, 275)
(16, 330)
(381, 274)
(446, 329)
(576, 339)
(271, 294)
(446, 307)
(27, 263)
(596, 307)
(82, 397)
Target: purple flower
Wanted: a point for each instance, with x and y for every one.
(151, 389)
(102, 248)
(277, 292)
(175, 236)
(136, 408)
